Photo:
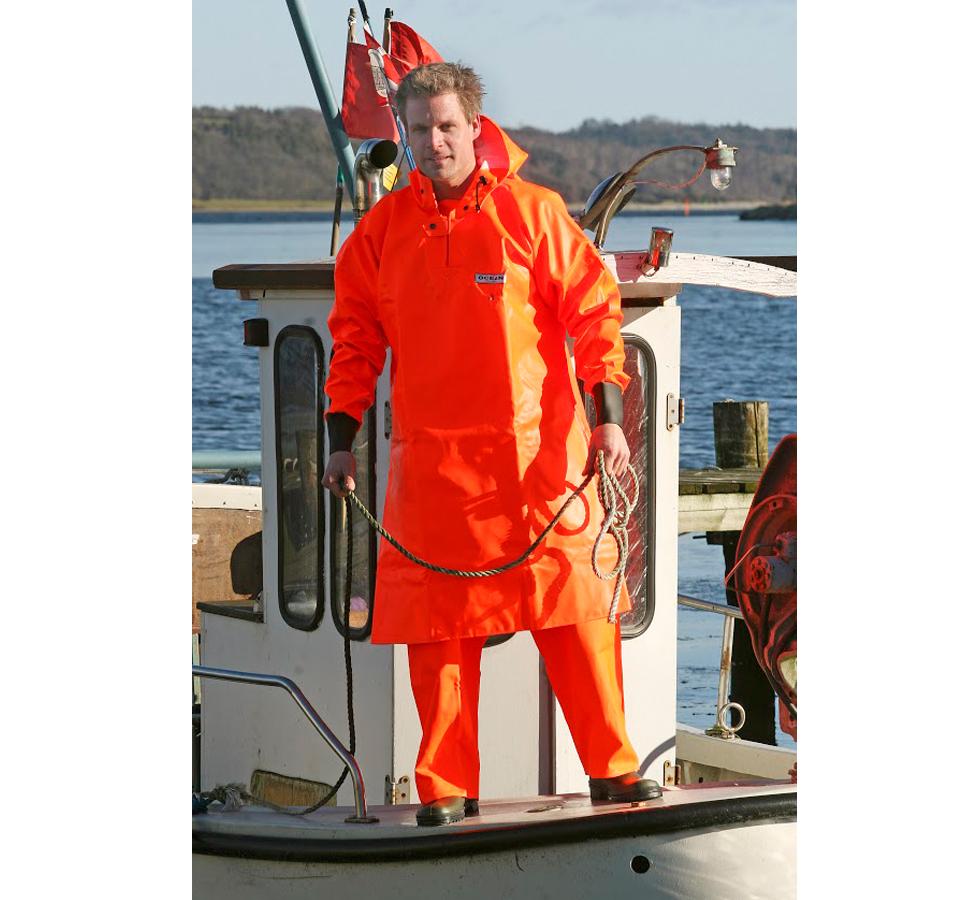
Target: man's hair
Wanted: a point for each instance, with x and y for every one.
(443, 78)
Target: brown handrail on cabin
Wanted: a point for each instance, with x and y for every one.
(779, 262)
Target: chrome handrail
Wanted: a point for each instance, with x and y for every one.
(709, 606)
(290, 686)
(731, 613)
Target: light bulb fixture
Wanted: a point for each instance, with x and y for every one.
(721, 178)
(612, 194)
(720, 160)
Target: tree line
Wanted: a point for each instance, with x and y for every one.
(248, 153)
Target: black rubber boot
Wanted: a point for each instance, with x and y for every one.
(628, 788)
(444, 811)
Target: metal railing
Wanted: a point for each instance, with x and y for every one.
(360, 805)
(220, 461)
(723, 705)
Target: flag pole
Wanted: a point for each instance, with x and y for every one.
(375, 55)
(338, 202)
(324, 93)
(386, 33)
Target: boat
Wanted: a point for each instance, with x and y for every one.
(267, 822)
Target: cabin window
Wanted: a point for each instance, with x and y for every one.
(641, 368)
(365, 550)
(298, 376)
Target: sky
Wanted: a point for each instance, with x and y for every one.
(549, 64)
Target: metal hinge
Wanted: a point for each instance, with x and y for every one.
(397, 791)
(671, 774)
(387, 418)
(675, 411)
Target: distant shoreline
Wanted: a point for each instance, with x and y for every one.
(323, 207)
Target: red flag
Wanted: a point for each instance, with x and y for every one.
(395, 69)
(364, 110)
(409, 47)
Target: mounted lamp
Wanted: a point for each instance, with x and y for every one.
(720, 160)
(614, 192)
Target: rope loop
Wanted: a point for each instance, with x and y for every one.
(616, 523)
(618, 508)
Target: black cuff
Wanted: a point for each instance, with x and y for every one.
(608, 403)
(341, 429)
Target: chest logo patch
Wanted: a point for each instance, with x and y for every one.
(490, 277)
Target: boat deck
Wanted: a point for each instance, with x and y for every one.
(259, 832)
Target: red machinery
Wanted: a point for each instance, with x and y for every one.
(764, 577)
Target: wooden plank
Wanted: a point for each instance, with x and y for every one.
(780, 262)
(698, 268)
(712, 512)
(303, 276)
(703, 481)
(714, 499)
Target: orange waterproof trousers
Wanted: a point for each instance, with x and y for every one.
(585, 668)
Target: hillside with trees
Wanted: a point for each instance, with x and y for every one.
(253, 154)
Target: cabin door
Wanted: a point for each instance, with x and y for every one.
(652, 340)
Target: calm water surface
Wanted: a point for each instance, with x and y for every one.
(733, 345)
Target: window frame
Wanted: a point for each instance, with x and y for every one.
(370, 423)
(650, 388)
(284, 334)
(650, 391)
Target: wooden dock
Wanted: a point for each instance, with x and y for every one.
(714, 499)
(708, 499)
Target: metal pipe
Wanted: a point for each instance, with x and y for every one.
(386, 32)
(360, 805)
(626, 179)
(707, 606)
(324, 93)
(338, 204)
(373, 157)
(725, 666)
(721, 728)
(222, 460)
(731, 613)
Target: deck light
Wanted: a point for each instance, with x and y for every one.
(611, 195)
(720, 160)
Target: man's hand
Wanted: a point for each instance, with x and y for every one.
(339, 475)
(616, 452)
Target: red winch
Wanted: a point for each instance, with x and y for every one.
(764, 578)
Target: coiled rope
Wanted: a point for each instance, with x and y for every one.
(618, 508)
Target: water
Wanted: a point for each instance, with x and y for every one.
(733, 345)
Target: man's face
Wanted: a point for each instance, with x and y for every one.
(441, 138)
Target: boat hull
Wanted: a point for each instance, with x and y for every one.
(743, 848)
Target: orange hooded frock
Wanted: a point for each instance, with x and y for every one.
(489, 434)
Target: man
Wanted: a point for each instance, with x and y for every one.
(473, 277)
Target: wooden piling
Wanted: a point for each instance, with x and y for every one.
(741, 434)
(742, 440)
